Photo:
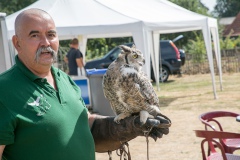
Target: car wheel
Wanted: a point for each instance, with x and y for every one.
(165, 74)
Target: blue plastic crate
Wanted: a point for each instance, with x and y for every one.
(83, 84)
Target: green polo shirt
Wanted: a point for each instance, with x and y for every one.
(39, 123)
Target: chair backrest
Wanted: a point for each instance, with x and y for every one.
(207, 117)
(210, 136)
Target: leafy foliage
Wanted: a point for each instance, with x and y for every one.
(196, 48)
(99, 47)
(11, 6)
(229, 43)
(192, 5)
(226, 8)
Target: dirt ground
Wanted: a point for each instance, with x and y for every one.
(183, 99)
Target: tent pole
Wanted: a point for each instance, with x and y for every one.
(207, 37)
(217, 54)
(156, 40)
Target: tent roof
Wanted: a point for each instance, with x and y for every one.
(2, 14)
(108, 18)
(159, 14)
(75, 17)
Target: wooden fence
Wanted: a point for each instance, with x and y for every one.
(230, 60)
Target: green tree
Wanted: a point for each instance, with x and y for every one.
(11, 6)
(99, 47)
(196, 48)
(226, 8)
(230, 42)
(192, 5)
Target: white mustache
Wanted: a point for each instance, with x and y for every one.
(46, 49)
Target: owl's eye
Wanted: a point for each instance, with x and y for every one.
(135, 56)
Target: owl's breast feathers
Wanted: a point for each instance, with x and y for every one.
(128, 90)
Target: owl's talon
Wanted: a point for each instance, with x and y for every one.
(144, 115)
(118, 121)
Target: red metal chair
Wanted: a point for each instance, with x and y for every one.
(209, 137)
(209, 120)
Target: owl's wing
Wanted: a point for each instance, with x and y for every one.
(108, 84)
(139, 86)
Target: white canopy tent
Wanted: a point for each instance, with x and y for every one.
(145, 20)
(162, 16)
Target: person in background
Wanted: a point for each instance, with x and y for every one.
(42, 113)
(74, 59)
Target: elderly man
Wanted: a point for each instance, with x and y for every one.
(42, 115)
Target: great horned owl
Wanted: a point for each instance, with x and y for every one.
(128, 88)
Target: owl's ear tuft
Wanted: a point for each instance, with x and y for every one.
(124, 48)
(133, 46)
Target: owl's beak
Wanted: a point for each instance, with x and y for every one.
(141, 63)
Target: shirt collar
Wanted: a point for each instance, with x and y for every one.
(32, 76)
(25, 70)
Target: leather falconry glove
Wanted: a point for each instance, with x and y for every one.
(109, 136)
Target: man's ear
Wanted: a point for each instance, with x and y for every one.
(15, 42)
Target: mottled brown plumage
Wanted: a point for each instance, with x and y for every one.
(127, 87)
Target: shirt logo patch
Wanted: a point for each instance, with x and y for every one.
(35, 103)
(39, 105)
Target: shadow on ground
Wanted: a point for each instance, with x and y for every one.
(164, 102)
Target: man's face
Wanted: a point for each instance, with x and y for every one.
(36, 32)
